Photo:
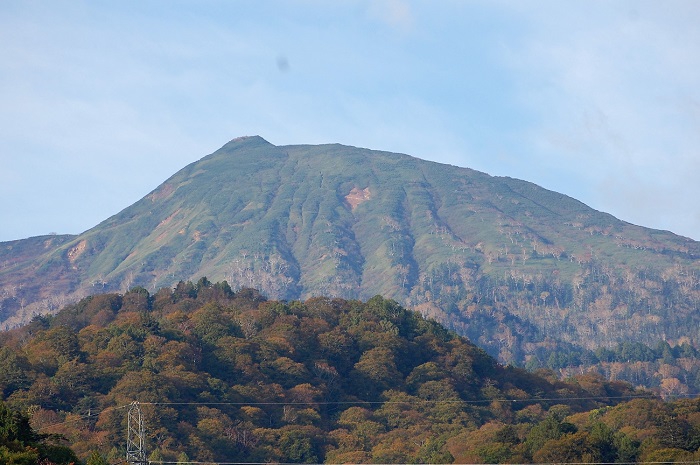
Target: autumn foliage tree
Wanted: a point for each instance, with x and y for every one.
(224, 376)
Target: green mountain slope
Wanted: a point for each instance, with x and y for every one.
(517, 268)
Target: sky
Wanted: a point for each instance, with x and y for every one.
(102, 101)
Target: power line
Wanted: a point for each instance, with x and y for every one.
(361, 402)
(358, 402)
(90, 414)
(409, 401)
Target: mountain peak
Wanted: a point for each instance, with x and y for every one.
(244, 142)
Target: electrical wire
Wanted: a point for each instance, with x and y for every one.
(412, 401)
(358, 402)
(82, 417)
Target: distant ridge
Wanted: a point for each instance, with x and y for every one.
(517, 268)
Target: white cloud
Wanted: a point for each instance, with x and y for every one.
(395, 13)
(613, 94)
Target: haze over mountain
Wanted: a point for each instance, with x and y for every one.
(517, 268)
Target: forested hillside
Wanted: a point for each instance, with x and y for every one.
(224, 376)
(669, 370)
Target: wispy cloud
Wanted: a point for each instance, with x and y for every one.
(611, 85)
(397, 14)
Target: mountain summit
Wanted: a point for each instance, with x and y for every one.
(503, 261)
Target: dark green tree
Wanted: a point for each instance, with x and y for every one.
(19, 444)
(96, 458)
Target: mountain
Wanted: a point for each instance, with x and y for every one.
(525, 272)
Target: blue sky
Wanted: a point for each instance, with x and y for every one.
(101, 101)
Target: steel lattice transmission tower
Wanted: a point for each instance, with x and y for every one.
(135, 436)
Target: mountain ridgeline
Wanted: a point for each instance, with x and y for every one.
(517, 268)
